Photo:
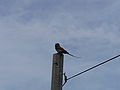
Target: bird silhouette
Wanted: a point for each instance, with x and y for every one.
(61, 50)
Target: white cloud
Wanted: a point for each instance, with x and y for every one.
(27, 44)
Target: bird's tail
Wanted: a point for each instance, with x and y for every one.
(73, 55)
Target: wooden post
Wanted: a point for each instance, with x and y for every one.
(57, 71)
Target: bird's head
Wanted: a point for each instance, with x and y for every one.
(57, 44)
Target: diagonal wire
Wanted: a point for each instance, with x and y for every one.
(93, 67)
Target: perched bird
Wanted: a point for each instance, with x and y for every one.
(61, 50)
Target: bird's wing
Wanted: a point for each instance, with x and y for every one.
(62, 50)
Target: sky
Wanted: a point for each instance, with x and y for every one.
(29, 30)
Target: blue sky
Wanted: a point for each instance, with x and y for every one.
(87, 28)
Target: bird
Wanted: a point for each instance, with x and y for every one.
(61, 50)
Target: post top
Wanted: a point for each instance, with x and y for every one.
(58, 54)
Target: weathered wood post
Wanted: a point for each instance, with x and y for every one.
(57, 71)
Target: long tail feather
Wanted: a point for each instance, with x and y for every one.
(73, 55)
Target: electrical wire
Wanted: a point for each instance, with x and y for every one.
(93, 67)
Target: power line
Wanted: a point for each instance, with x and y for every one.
(93, 67)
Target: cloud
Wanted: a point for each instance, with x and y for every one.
(29, 29)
